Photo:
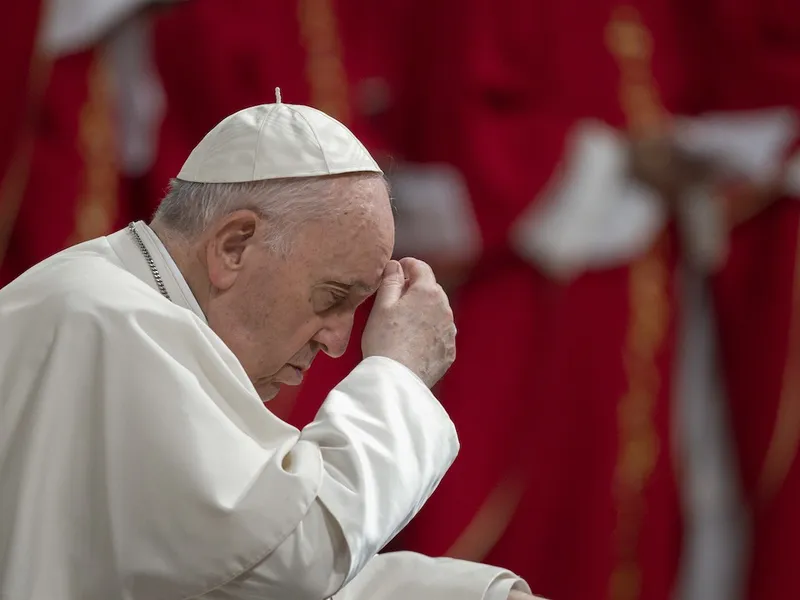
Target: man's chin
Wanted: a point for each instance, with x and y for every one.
(268, 391)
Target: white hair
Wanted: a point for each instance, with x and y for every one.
(189, 208)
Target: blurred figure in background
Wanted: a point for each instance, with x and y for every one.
(562, 388)
(571, 320)
(91, 102)
(747, 66)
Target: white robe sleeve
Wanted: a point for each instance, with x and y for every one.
(391, 576)
(404, 575)
(316, 560)
(384, 458)
(312, 563)
(369, 482)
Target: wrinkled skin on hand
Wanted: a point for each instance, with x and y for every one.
(412, 322)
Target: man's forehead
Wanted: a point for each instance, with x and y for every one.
(360, 272)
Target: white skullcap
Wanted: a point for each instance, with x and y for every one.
(274, 141)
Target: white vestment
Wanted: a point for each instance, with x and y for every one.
(137, 461)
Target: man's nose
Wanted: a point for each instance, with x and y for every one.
(335, 334)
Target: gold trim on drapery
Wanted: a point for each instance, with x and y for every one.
(98, 202)
(325, 68)
(631, 44)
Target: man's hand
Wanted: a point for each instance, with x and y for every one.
(411, 321)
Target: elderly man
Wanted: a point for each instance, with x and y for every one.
(136, 458)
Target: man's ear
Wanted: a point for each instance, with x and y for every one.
(227, 246)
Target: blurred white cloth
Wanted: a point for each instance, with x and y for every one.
(433, 212)
(139, 94)
(593, 215)
(751, 144)
(714, 556)
(74, 25)
(121, 30)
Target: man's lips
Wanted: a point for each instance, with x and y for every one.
(301, 368)
(292, 374)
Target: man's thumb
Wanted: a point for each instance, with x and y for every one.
(392, 284)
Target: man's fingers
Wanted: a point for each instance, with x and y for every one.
(417, 271)
(392, 284)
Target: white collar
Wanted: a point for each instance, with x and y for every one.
(174, 281)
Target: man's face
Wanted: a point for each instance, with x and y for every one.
(276, 312)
